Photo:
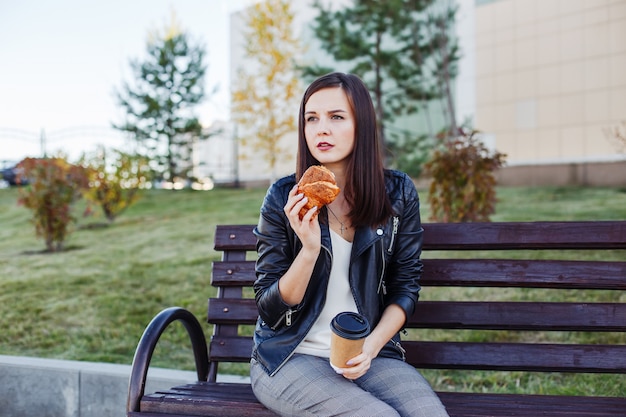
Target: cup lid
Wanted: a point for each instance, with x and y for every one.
(350, 325)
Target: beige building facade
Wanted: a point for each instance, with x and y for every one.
(550, 79)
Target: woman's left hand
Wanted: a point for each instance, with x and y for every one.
(358, 365)
(390, 323)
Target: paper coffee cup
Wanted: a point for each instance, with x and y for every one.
(348, 334)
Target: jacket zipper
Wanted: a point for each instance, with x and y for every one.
(381, 285)
(286, 316)
(400, 348)
(396, 222)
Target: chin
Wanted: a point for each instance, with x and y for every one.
(329, 159)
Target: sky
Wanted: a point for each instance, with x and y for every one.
(61, 60)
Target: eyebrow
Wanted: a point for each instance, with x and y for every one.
(331, 111)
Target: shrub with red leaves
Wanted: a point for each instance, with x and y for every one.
(54, 186)
(463, 182)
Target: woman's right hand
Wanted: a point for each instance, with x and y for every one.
(293, 284)
(307, 229)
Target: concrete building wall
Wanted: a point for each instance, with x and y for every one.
(550, 78)
(216, 157)
(604, 174)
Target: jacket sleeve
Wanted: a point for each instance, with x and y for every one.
(275, 248)
(405, 268)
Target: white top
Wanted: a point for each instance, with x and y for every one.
(338, 299)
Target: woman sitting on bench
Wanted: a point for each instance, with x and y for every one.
(360, 253)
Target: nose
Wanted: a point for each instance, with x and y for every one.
(322, 129)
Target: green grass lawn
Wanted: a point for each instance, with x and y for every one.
(93, 301)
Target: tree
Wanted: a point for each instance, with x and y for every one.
(159, 106)
(54, 185)
(115, 180)
(617, 134)
(267, 91)
(402, 49)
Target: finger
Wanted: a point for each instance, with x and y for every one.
(358, 359)
(292, 202)
(309, 214)
(299, 204)
(353, 373)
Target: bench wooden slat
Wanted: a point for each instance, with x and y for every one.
(497, 235)
(534, 316)
(207, 399)
(230, 311)
(234, 237)
(543, 357)
(226, 274)
(525, 235)
(479, 315)
(532, 357)
(464, 404)
(217, 400)
(230, 349)
(523, 273)
(479, 273)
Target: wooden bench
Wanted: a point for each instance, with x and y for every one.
(483, 256)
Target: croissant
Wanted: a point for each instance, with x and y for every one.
(319, 185)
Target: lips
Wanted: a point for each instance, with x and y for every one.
(323, 146)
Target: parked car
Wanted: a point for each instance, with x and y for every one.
(9, 173)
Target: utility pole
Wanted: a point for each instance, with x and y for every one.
(42, 143)
(235, 151)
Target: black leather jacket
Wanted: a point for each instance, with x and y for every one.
(384, 269)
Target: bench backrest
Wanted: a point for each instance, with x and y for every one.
(497, 256)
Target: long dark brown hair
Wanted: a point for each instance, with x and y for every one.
(365, 179)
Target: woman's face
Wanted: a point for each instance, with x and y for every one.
(329, 126)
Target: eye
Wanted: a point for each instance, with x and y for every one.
(337, 117)
(311, 118)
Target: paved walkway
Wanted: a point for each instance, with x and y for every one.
(60, 388)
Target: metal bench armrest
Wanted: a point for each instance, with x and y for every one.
(147, 344)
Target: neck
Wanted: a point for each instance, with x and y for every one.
(339, 204)
(340, 175)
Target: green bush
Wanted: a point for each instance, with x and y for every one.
(115, 179)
